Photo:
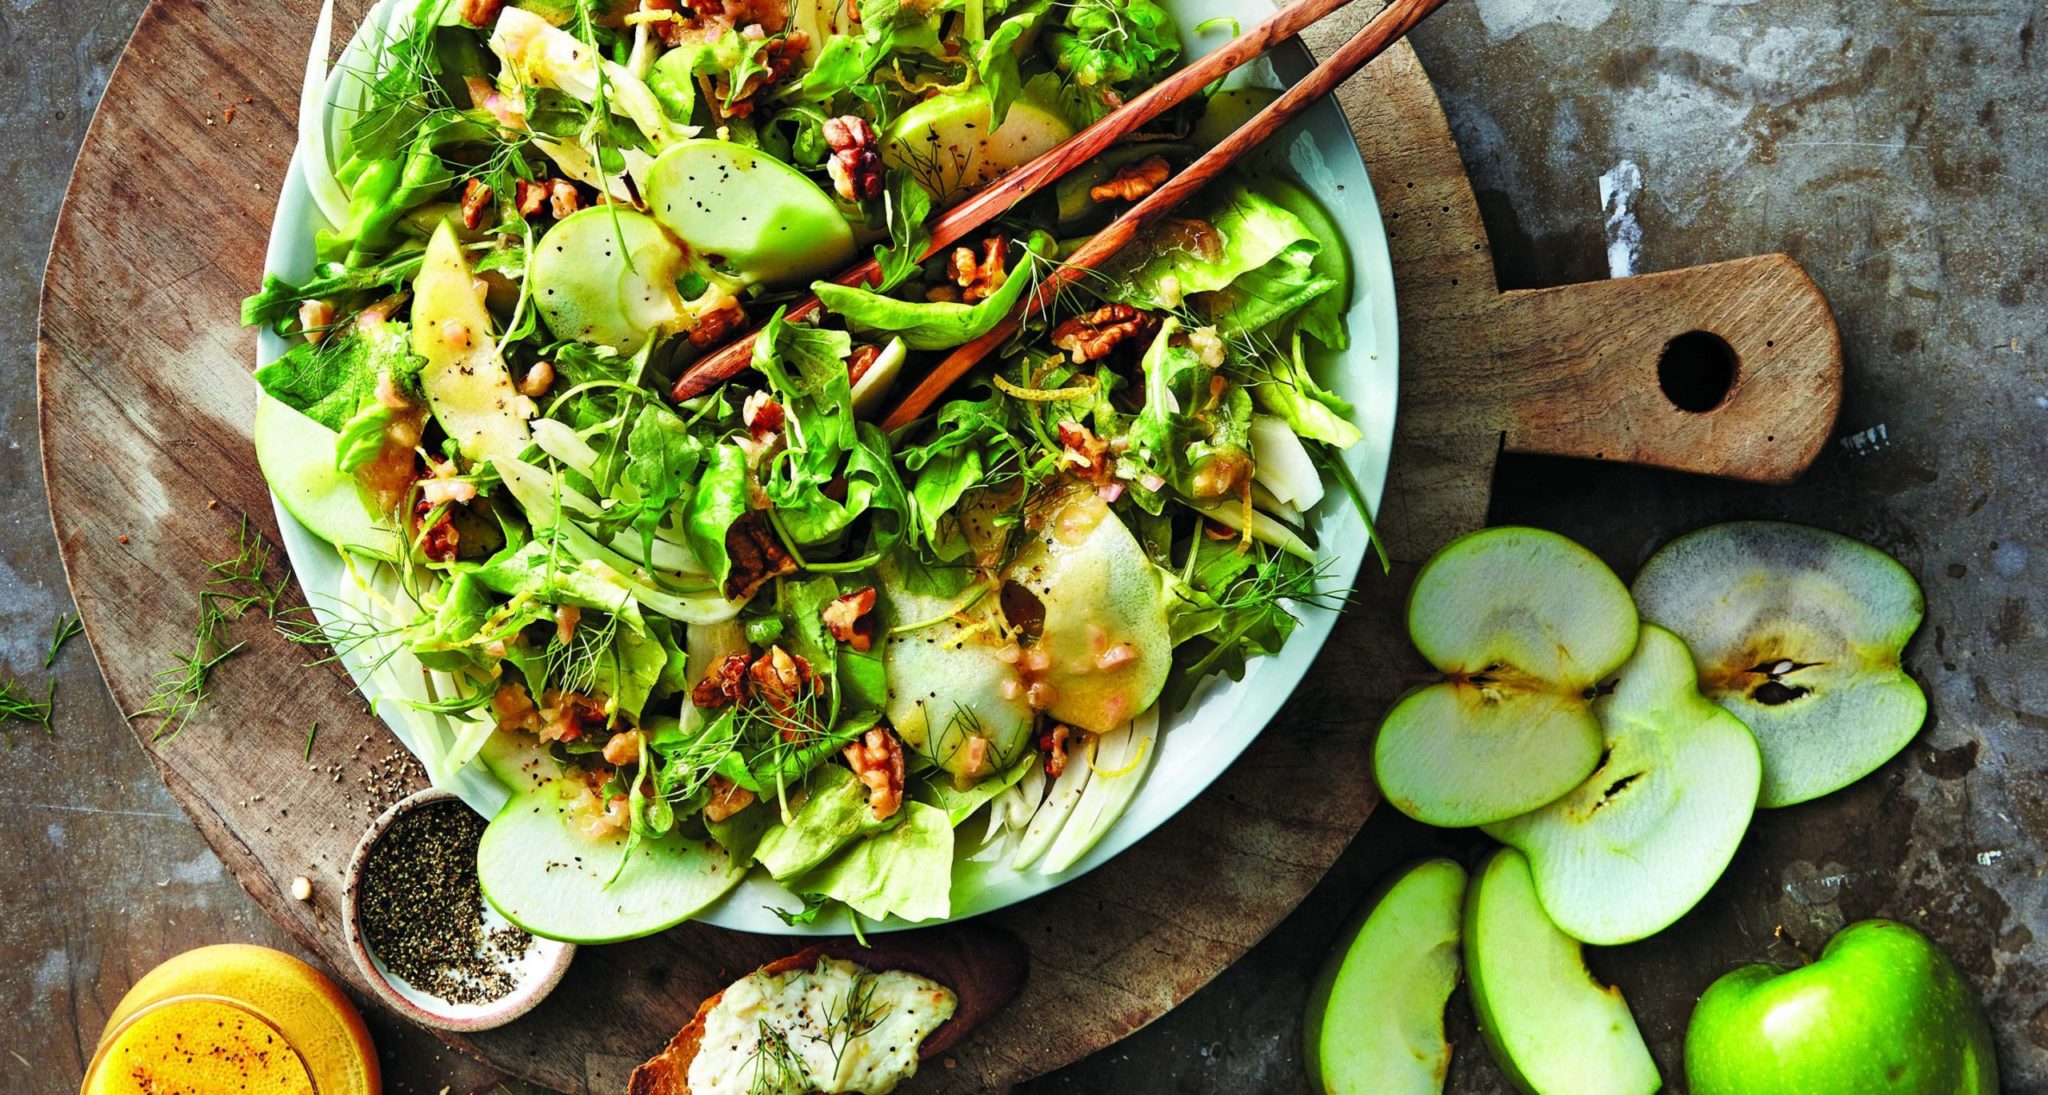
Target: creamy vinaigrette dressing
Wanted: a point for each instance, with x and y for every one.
(830, 1028)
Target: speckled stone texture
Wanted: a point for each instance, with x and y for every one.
(1897, 149)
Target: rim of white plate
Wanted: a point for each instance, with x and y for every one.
(1196, 745)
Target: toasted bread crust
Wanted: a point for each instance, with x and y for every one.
(984, 967)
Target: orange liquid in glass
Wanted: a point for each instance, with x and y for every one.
(200, 1046)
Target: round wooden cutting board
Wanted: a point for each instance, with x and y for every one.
(146, 400)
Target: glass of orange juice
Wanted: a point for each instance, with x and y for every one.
(197, 1044)
(233, 1018)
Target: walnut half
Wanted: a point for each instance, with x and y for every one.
(1092, 335)
(856, 163)
(877, 759)
(1132, 181)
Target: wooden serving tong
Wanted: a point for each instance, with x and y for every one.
(1385, 28)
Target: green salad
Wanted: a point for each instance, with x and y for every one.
(752, 630)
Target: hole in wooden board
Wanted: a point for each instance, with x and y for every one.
(1696, 370)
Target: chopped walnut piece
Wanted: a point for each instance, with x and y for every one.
(714, 326)
(1085, 454)
(877, 759)
(476, 201)
(780, 56)
(528, 197)
(762, 415)
(481, 13)
(757, 557)
(726, 684)
(727, 798)
(514, 709)
(567, 716)
(1132, 181)
(1091, 336)
(780, 679)
(856, 163)
(665, 21)
(1053, 743)
(436, 541)
(851, 620)
(562, 198)
(978, 275)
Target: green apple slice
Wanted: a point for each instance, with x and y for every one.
(297, 458)
(1798, 631)
(1639, 843)
(945, 142)
(1550, 1026)
(538, 867)
(1375, 1023)
(1106, 636)
(467, 385)
(607, 276)
(738, 208)
(1523, 624)
(948, 681)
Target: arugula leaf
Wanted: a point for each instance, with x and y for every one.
(814, 903)
(719, 500)
(906, 205)
(661, 460)
(996, 62)
(952, 462)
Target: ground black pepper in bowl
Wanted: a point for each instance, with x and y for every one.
(422, 913)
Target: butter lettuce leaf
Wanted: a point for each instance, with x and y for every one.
(905, 872)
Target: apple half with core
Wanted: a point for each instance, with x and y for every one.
(1375, 1023)
(1523, 624)
(1639, 843)
(1882, 1011)
(1798, 631)
(1550, 1026)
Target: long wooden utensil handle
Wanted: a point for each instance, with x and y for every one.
(1386, 28)
(993, 201)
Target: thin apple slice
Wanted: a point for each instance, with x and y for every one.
(1523, 624)
(1375, 1023)
(1550, 1026)
(1798, 631)
(1639, 843)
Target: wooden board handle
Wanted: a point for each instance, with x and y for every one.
(1732, 369)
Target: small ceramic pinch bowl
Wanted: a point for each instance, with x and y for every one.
(534, 974)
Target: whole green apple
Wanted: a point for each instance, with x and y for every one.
(1881, 1012)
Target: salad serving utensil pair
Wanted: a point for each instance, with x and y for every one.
(1385, 28)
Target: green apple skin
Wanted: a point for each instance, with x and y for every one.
(1548, 1023)
(1882, 1012)
(1375, 1019)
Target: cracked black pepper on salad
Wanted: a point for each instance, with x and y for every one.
(753, 631)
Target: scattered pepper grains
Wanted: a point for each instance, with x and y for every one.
(422, 910)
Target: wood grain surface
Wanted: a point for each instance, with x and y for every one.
(145, 399)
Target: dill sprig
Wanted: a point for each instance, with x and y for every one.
(68, 627)
(777, 1066)
(856, 1014)
(239, 583)
(17, 706)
